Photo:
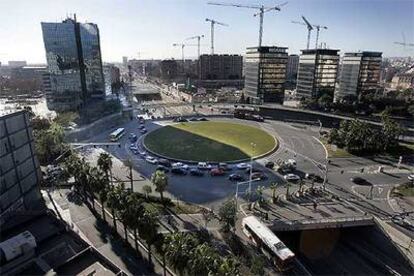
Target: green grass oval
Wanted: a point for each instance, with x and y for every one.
(209, 141)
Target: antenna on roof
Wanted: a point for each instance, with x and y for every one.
(74, 17)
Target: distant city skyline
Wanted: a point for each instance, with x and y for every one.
(151, 27)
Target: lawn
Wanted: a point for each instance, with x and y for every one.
(335, 152)
(209, 141)
(404, 190)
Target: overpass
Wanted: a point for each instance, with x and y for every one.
(312, 224)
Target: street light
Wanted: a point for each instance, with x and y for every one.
(251, 167)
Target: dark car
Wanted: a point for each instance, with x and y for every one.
(164, 162)
(162, 168)
(270, 165)
(178, 171)
(193, 119)
(360, 181)
(143, 131)
(314, 177)
(236, 177)
(224, 166)
(259, 176)
(217, 172)
(141, 127)
(202, 119)
(196, 172)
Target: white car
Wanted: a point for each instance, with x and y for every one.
(291, 177)
(203, 166)
(411, 177)
(242, 166)
(180, 165)
(151, 160)
(142, 153)
(291, 162)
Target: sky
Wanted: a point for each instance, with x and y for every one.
(148, 28)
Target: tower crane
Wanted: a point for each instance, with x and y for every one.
(198, 37)
(404, 42)
(261, 11)
(212, 23)
(182, 45)
(308, 26)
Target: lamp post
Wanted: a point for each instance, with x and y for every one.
(251, 167)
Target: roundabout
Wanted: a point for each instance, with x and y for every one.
(210, 141)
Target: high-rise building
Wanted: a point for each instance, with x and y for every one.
(20, 174)
(74, 61)
(112, 77)
(360, 73)
(220, 67)
(169, 69)
(265, 74)
(292, 67)
(317, 72)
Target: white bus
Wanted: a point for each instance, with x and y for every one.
(281, 256)
(117, 134)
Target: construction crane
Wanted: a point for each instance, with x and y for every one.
(261, 11)
(308, 26)
(182, 45)
(404, 43)
(318, 28)
(212, 23)
(198, 37)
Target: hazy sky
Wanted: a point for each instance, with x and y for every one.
(152, 26)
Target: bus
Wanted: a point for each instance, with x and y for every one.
(117, 134)
(247, 113)
(271, 246)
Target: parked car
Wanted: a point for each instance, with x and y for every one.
(202, 119)
(143, 131)
(236, 177)
(180, 165)
(360, 181)
(291, 162)
(179, 171)
(151, 160)
(217, 172)
(411, 177)
(141, 127)
(164, 162)
(142, 153)
(196, 172)
(180, 120)
(162, 168)
(314, 177)
(224, 166)
(259, 176)
(269, 164)
(193, 119)
(133, 137)
(242, 166)
(291, 177)
(203, 166)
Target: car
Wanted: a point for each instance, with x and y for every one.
(196, 172)
(270, 165)
(179, 171)
(291, 162)
(203, 166)
(133, 147)
(291, 177)
(180, 120)
(134, 151)
(217, 172)
(141, 127)
(151, 160)
(162, 168)
(142, 153)
(202, 119)
(253, 170)
(236, 177)
(164, 162)
(224, 166)
(144, 130)
(242, 166)
(258, 176)
(314, 177)
(180, 165)
(360, 181)
(411, 177)
(193, 119)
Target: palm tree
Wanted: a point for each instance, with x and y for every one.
(148, 229)
(134, 214)
(160, 181)
(114, 201)
(103, 197)
(273, 187)
(229, 267)
(105, 164)
(259, 192)
(147, 190)
(177, 248)
(72, 167)
(203, 260)
(128, 163)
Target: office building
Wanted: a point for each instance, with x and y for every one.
(74, 61)
(265, 74)
(360, 74)
(112, 77)
(317, 72)
(220, 67)
(292, 68)
(168, 69)
(19, 171)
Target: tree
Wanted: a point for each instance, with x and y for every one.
(160, 181)
(208, 215)
(128, 163)
(115, 201)
(133, 214)
(178, 248)
(391, 130)
(228, 215)
(49, 143)
(105, 164)
(229, 267)
(257, 265)
(148, 229)
(325, 101)
(147, 190)
(259, 193)
(103, 197)
(203, 261)
(273, 187)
